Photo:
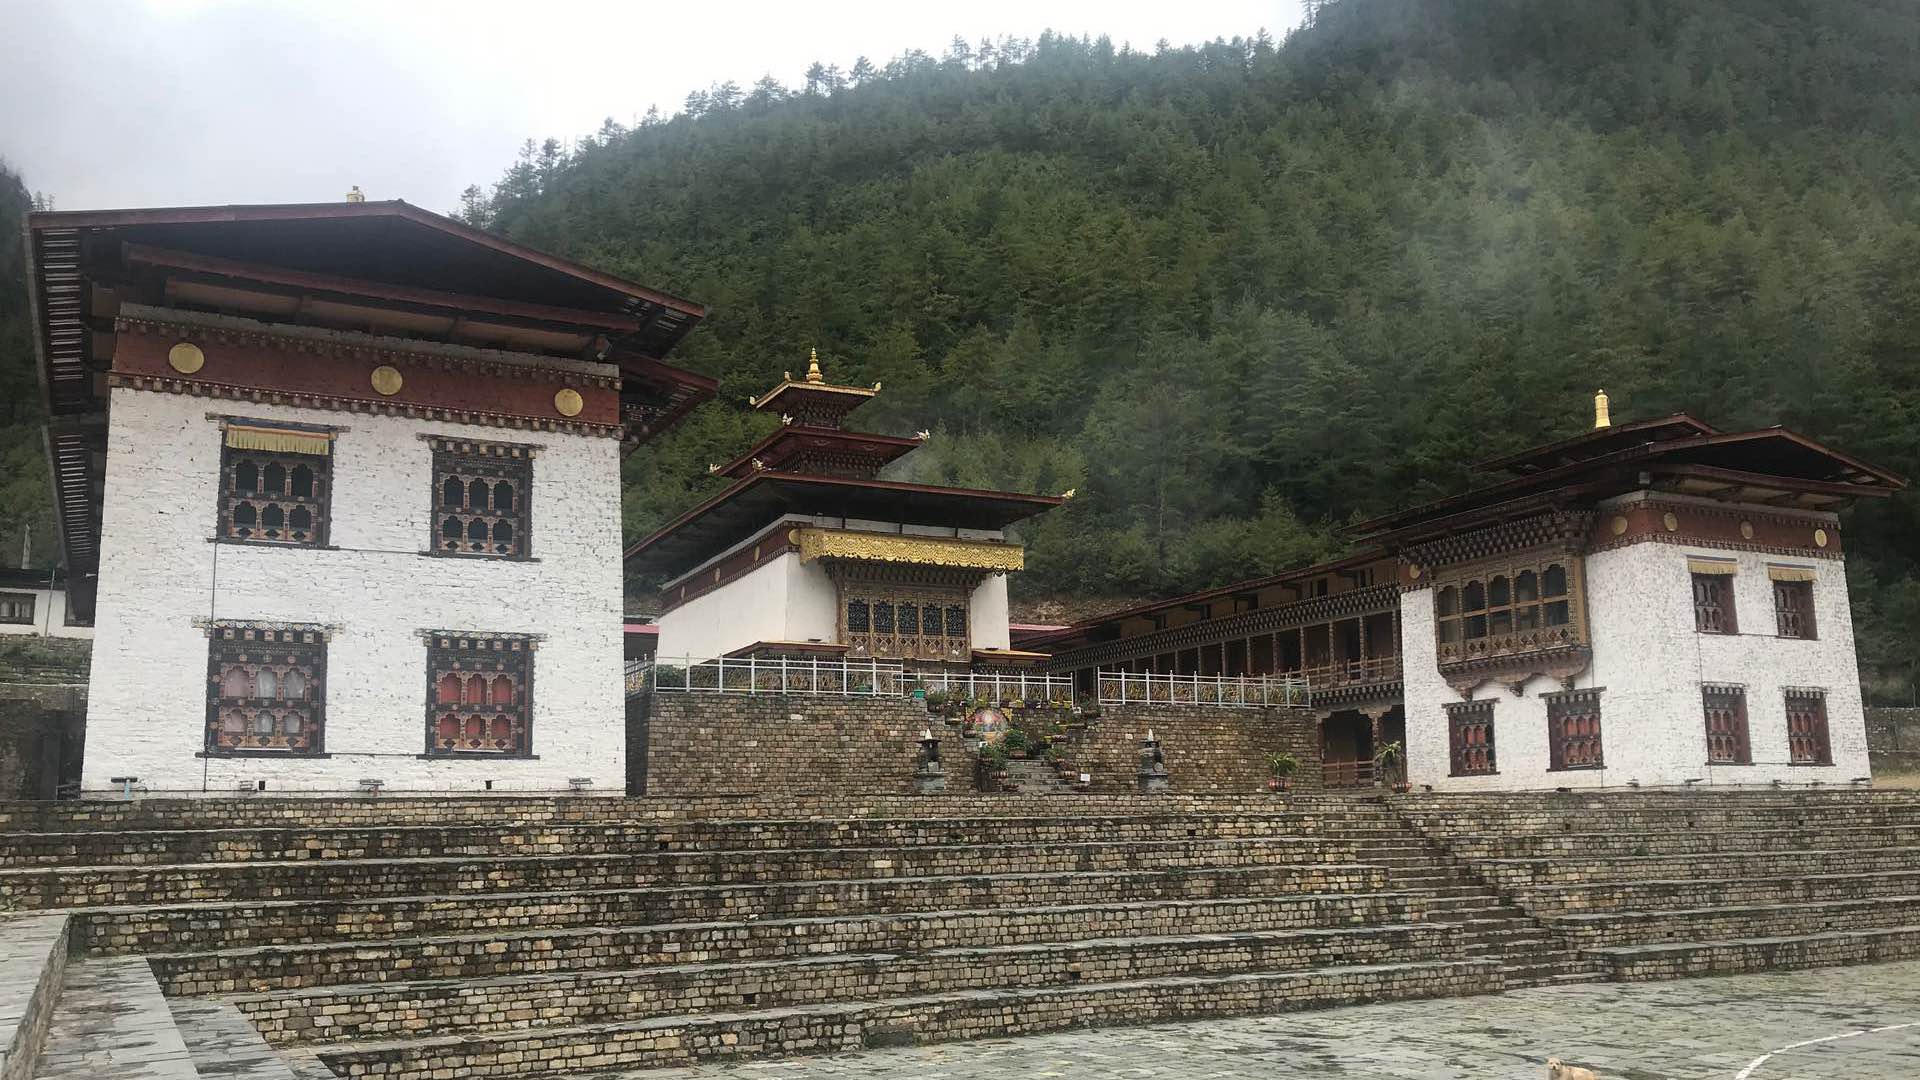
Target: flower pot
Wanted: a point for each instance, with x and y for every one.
(1273, 783)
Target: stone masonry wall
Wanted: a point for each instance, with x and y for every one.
(739, 744)
(1893, 741)
(1208, 750)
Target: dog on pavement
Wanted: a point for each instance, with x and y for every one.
(1557, 1071)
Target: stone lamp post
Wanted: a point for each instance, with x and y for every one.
(1153, 765)
(928, 777)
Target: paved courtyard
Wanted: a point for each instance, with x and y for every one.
(1698, 1029)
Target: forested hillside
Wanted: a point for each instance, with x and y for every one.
(1241, 294)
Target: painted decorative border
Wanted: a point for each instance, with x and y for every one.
(817, 543)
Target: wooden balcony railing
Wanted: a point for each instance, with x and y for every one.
(1347, 672)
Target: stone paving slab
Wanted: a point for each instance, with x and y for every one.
(112, 1024)
(224, 1045)
(1698, 1029)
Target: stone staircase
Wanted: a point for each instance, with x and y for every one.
(1036, 778)
(1662, 884)
(482, 937)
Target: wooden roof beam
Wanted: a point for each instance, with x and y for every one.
(148, 255)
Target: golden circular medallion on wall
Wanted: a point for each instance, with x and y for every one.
(1672, 523)
(1819, 538)
(386, 380)
(1746, 530)
(1619, 524)
(186, 358)
(569, 402)
(1413, 572)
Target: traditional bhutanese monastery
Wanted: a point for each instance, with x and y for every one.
(339, 491)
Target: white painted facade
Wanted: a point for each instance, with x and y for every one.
(787, 599)
(162, 578)
(1651, 664)
(49, 613)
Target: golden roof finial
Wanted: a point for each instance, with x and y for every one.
(353, 194)
(1601, 418)
(813, 367)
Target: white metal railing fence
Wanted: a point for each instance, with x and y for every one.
(1235, 691)
(1030, 688)
(756, 675)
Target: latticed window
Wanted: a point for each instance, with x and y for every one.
(1713, 611)
(479, 698)
(480, 495)
(1573, 730)
(1807, 728)
(896, 620)
(266, 689)
(1521, 608)
(1726, 717)
(274, 484)
(1793, 608)
(1470, 738)
(16, 607)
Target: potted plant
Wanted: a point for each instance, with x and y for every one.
(1280, 769)
(1389, 764)
(990, 768)
(1016, 744)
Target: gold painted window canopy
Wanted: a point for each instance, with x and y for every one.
(279, 440)
(1718, 567)
(894, 548)
(1790, 573)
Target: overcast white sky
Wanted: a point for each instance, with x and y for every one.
(111, 103)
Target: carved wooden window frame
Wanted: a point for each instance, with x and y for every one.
(871, 599)
(18, 608)
(1573, 731)
(263, 499)
(1479, 607)
(1470, 738)
(266, 690)
(482, 471)
(1723, 709)
(1809, 741)
(1714, 609)
(480, 719)
(1793, 610)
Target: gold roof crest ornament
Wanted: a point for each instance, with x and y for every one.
(1601, 417)
(813, 367)
(355, 195)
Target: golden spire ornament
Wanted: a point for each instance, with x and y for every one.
(1601, 417)
(813, 367)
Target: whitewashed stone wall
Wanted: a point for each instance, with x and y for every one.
(1651, 664)
(160, 575)
(49, 614)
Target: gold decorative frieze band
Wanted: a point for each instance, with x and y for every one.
(1790, 573)
(279, 440)
(894, 548)
(1723, 567)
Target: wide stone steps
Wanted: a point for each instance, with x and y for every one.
(1721, 923)
(488, 955)
(66, 887)
(1515, 874)
(1689, 842)
(177, 846)
(1471, 823)
(189, 927)
(1611, 896)
(853, 1025)
(573, 998)
(224, 1045)
(106, 816)
(1672, 960)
